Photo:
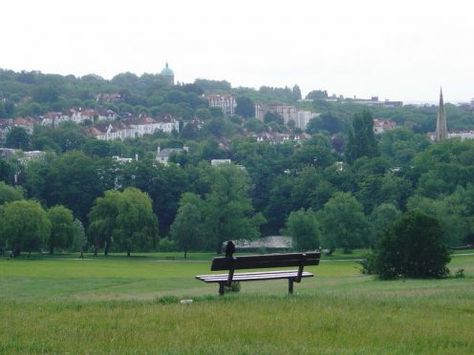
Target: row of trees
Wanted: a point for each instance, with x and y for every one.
(125, 220)
(26, 225)
(388, 175)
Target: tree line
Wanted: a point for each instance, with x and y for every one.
(321, 195)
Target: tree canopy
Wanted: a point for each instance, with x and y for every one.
(303, 228)
(124, 220)
(412, 248)
(24, 225)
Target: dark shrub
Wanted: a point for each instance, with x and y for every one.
(412, 248)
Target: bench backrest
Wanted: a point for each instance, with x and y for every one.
(266, 261)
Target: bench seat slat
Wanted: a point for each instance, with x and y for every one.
(253, 276)
(251, 273)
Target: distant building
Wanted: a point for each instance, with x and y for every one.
(218, 162)
(287, 112)
(441, 123)
(373, 101)
(280, 138)
(7, 152)
(123, 160)
(462, 135)
(226, 103)
(28, 123)
(108, 97)
(4, 129)
(132, 128)
(303, 118)
(381, 126)
(168, 75)
(77, 115)
(163, 155)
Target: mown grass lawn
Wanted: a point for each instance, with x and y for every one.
(131, 305)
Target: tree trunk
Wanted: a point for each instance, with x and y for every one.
(128, 252)
(106, 249)
(185, 254)
(51, 250)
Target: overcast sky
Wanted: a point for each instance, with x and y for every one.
(402, 50)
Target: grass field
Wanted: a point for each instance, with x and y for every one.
(131, 305)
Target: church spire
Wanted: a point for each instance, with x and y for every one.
(441, 125)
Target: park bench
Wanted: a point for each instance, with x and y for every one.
(261, 261)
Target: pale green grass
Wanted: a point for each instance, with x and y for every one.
(120, 305)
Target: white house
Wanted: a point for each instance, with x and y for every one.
(163, 155)
(132, 128)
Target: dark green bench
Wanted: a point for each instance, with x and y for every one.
(261, 261)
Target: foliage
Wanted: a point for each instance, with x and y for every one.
(412, 248)
(296, 93)
(18, 138)
(124, 219)
(361, 141)
(325, 122)
(167, 245)
(317, 95)
(210, 85)
(443, 167)
(228, 211)
(382, 219)
(62, 228)
(343, 223)
(455, 213)
(71, 180)
(272, 117)
(24, 225)
(79, 240)
(186, 228)
(303, 228)
(7, 170)
(9, 193)
(245, 107)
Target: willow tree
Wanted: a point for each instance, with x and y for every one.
(123, 219)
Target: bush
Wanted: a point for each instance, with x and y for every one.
(412, 248)
(167, 245)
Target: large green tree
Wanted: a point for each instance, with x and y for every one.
(228, 210)
(412, 248)
(62, 228)
(302, 226)
(186, 228)
(24, 225)
(361, 140)
(343, 223)
(125, 220)
(73, 180)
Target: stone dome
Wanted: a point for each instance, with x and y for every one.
(167, 71)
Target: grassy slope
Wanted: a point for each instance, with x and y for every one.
(118, 305)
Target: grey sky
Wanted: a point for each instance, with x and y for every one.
(394, 49)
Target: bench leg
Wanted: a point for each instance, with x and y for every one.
(290, 286)
(221, 288)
